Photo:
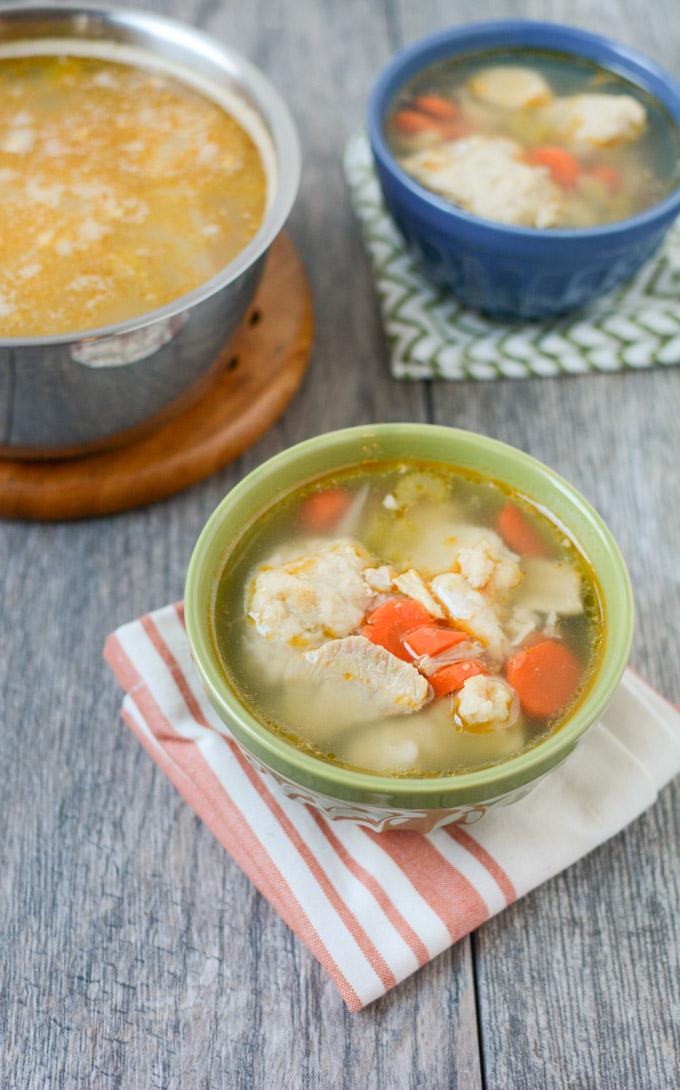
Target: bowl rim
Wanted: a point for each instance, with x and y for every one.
(632, 63)
(279, 119)
(313, 769)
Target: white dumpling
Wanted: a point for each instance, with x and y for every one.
(485, 560)
(598, 120)
(486, 175)
(486, 701)
(510, 87)
(312, 595)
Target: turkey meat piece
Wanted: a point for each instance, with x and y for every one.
(392, 687)
(470, 611)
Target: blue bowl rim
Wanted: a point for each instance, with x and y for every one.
(625, 60)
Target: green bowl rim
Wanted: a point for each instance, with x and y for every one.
(615, 655)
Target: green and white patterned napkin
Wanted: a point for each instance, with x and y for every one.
(431, 335)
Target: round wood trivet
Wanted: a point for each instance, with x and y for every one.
(261, 368)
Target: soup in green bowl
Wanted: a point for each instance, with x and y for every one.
(405, 639)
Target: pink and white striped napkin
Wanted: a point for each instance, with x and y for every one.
(374, 907)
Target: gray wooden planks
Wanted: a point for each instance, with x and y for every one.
(579, 984)
(135, 954)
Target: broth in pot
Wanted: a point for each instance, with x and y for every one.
(123, 189)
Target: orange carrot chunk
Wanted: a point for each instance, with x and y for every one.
(518, 533)
(453, 677)
(563, 166)
(545, 677)
(390, 622)
(431, 639)
(436, 106)
(412, 122)
(609, 175)
(322, 510)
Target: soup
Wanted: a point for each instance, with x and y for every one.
(123, 188)
(409, 619)
(534, 139)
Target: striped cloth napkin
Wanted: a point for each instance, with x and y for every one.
(374, 907)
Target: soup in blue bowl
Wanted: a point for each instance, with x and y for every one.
(532, 167)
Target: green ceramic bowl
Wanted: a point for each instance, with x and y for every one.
(383, 801)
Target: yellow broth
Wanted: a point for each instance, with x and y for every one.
(430, 504)
(122, 189)
(600, 173)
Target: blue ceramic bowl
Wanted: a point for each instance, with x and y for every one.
(518, 272)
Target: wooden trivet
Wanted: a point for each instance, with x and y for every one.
(262, 367)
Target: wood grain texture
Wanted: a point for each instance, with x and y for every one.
(245, 391)
(134, 954)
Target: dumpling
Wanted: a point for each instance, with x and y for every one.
(510, 86)
(486, 701)
(600, 120)
(485, 175)
(318, 593)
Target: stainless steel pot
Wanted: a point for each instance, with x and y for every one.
(64, 394)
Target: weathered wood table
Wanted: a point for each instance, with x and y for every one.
(135, 955)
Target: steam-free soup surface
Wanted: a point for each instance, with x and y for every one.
(535, 139)
(122, 189)
(408, 618)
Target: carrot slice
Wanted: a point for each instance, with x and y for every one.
(322, 510)
(518, 533)
(545, 676)
(431, 639)
(609, 175)
(453, 677)
(387, 624)
(564, 167)
(436, 106)
(412, 121)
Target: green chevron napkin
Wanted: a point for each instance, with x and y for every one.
(430, 335)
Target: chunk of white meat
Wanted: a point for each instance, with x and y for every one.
(510, 87)
(597, 120)
(317, 594)
(485, 561)
(550, 586)
(412, 585)
(486, 702)
(379, 579)
(392, 686)
(485, 175)
(470, 610)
